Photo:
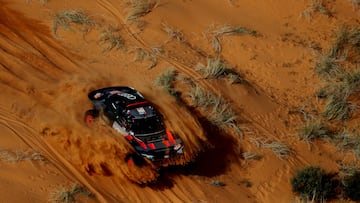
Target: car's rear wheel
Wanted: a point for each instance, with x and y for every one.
(135, 159)
(91, 115)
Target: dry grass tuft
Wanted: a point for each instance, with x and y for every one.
(251, 156)
(69, 195)
(233, 30)
(317, 6)
(338, 108)
(314, 130)
(111, 37)
(349, 140)
(21, 155)
(339, 66)
(173, 33)
(166, 79)
(139, 8)
(65, 18)
(142, 54)
(216, 69)
(227, 30)
(218, 112)
(281, 150)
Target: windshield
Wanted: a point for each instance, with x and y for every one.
(147, 125)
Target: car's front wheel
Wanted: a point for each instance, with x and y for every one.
(91, 115)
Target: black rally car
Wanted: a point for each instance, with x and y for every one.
(130, 114)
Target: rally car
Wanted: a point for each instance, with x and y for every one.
(135, 118)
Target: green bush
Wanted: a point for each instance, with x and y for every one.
(314, 183)
(351, 186)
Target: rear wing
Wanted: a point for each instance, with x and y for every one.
(129, 94)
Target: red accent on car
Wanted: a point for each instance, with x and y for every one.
(130, 162)
(170, 136)
(141, 143)
(137, 103)
(89, 119)
(129, 137)
(166, 143)
(152, 146)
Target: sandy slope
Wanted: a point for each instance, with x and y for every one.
(45, 79)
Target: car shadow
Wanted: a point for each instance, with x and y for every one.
(218, 152)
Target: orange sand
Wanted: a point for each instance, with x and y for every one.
(45, 79)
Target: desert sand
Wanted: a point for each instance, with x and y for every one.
(46, 73)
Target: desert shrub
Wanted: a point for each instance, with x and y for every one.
(314, 183)
(314, 130)
(69, 195)
(65, 18)
(351, 186)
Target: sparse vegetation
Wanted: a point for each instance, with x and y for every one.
(165, 81)
(173, 33)
(349, 140)
(351, 185)
(69, 195)
(313, 183)
(65, 18)
(317, 6)
(233, 30)
(216, 68)
(112, 39)
(281, 150)
(337, 107)
(218, 111)
(228, 30)
(251, 156)
(21, 155)
(139, 8)
(339, 67)
(314, 130)
(142, 54)
(327, 67)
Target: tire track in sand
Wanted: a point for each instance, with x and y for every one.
(35, 142)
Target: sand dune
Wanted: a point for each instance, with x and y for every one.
(45, 78)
